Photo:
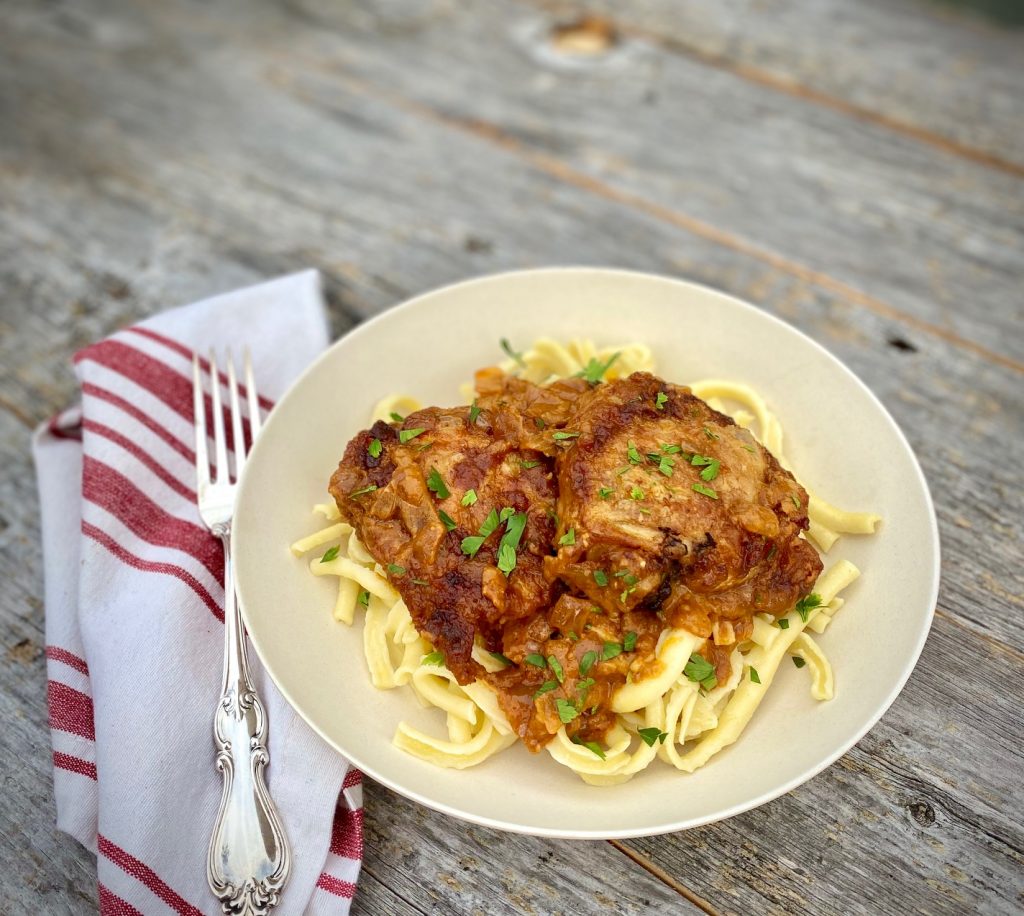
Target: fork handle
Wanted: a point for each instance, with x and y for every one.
(249, 858)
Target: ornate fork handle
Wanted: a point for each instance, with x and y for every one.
(249, 859)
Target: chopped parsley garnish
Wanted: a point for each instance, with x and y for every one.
(636, 493)
(704, 491)
(419, 582)
(546, 687)
(621, 471)
(472, 544)
(555, 665)
(566, 711)
(506, 514)
(375, 448)
(796, 501)
(363, 491)
(666, 466)
(539, 423)
(749, 448)
(406, 435)
(783, 623)
(498, 657)
(396, 570)
(435, 658)
(587, 662)
(446, 520)
(569, 538)
(633, 454)
(591, 746)
(469, 498)
(594, 371)
(711, 471)
(364, 598)
(661, 400)
(601, 577)
(670, 449)
(436, 484)
(805, 605)
(506, 558)
(699, 669)
(330, 554)
(754, 676)
(605, 492)
(397, 417)
(538, 661)
(474, 412)
(507, 347)
(709, 434)
(798, 661)
(629, 642)
(528, 464)
(561, 435)
(610, 650)
(652, 734)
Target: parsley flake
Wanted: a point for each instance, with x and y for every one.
(396, 570)
(562, 435)
(446, 520)
(364, 598)
(510, 542)
(670, 449)
(436, 484)
(709, 434)
(506, 558)
(632, 454)
(636, 493)
(783, 623)
(435, 658)
(528, 464)
(601, 577)
(605, 492)
(546, 687)
(754, 676)
(397, 417)
(629, 643)
(661, 400)
(498, 657)
(470, 545)
(538, 661)
(700, 670)
(506, 514)
(591, 746)
(569, 538)
(330, 554)
(407, 435)
(363, 491)
(798, 661)
(652, 734)
(805, 605)
(587, 662)
(711, 471)
(556, 666)
(507, 347)
(704, 491)
(610, 650)
(375, 448)
(796, 501)
(474, 412)
(594, 371)
(469, 498)
(566, 711)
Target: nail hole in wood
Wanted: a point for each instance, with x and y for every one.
(587, 36)
(902, 344)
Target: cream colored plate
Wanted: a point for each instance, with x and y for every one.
(839, 437)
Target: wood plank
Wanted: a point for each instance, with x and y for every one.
(947, 77)
(897, 225)
(476, 870)
(137, 208)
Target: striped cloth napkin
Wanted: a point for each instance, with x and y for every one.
(134, 619)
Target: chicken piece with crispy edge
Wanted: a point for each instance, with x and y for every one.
(666, 504)
(414, 504)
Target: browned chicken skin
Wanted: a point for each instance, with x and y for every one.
(644, 508)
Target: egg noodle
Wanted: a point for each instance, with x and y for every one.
(693, 724)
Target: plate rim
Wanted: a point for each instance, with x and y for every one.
(687, 823)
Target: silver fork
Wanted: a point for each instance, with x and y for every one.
(249, 858)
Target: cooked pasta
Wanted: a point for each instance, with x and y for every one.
(666, 714)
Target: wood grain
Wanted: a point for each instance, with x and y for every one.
(946, 77)
(153, 155)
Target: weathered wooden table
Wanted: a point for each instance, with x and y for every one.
(856, 168)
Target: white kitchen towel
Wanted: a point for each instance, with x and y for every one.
(134, 618)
